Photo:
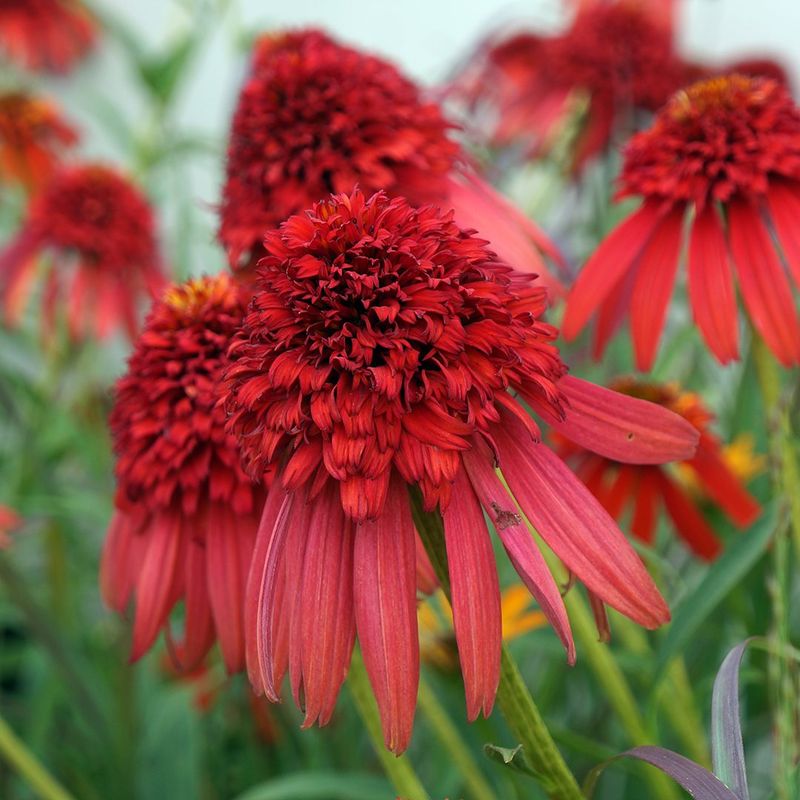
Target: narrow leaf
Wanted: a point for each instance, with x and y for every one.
(698, 781)
(727, 750)
(726, 573)
(321, 786)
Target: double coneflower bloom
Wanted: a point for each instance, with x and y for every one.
(186, 514)
(96, 232)
(316, 117)
(719, 174)
(644, 489)
(386, 347)
(33, 138)
(46, 35)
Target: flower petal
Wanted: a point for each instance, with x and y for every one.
(711, 289)
(198, 634)
(623, 428)
(577, 528)
(386, 613)
(655, 280)
(475, 597)
(691, 525)
(784, 206)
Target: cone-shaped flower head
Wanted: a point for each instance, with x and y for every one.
(33, 138)
(46, 35)
(316, 117)
(620, 55)
(380, 352)
(719, 173)
(186, 514)
(643, 489)
(98, 233)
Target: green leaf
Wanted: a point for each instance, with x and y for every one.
(722, 576)
(162, 74)
(321, 786)
(513, 757)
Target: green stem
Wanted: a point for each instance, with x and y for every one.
(513, 697)
(786, 479)
(28, 766)
(397, 768)
(448, 734)
(616, 687)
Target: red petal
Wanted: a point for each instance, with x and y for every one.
(623, 428)
(643, 523)
(764, 284)
(606, 267)
(199, 625)
(695, 531)
(327, 625)
(577, 528)
(386, 613)
(784, 206)
(611, 313)
(711, 286)
(427, 582)
(475, 595)
(118, 567)
(522, 550)
(655, 279)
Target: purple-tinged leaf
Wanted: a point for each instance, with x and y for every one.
(727, 750)
(698, 781)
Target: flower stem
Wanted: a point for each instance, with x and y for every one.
(786, 479)
(397, 768)
(476, 786)
(28, 766)
(513, 697)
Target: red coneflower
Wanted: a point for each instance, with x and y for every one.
(9, 520)
(620, 54)
(47, 35)
(316, 117)
(727, 151)
(643, 488)
(380, 350)
(98, 232)
(33, 138)
(186, 514)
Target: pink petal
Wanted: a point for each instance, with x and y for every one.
(655, 279)
(386, 613)
(522, 550)
(327, 625)
(475, 597)
(765, 287)
(577, 528)
(607, 266)
(623, 428)
(711, 286)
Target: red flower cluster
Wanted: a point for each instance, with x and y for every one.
(33, 138)
(727, 151)
(48, 35)
(381, 349)
(643, 488)
(621, 54)
(316, 117)
(98, 230)
(186, 514)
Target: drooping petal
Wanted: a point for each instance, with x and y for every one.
(577, 528)
(327, 624)
(427, 582)
(621, 427)
(643, 522)
(611, 313)
(695, 531)
(655, 279)
(784, 206)
(118, 567)
(711, 289)
(518, 542)
(199, 625)
(607, 265)
(386, 615)
(764, 284)
(475, 595)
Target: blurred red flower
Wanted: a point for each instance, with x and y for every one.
(727, 151)
(643, 488)
(46, 35)
(381, 349)
(186, 514)
(33, 138)
(620, 53)
(98, 232)
(9, 520)
(316, 117)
